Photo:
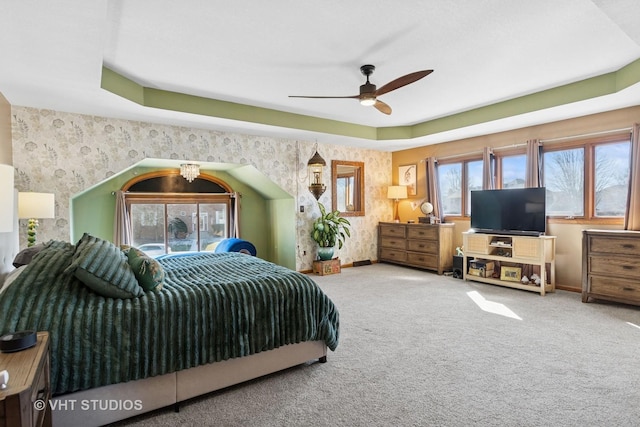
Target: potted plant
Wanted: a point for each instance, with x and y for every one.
(328, 230)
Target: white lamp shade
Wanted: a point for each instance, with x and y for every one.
(397, 192)
(36, 205)
(6, 199)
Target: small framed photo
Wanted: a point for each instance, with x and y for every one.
(408, 175)
(510, 274)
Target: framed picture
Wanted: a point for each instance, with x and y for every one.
(510, 274)
(408, 175)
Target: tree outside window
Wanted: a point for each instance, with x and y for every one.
(564, 180)
(450, 181)
(611, 178)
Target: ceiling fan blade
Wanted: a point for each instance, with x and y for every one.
(403, 81)
(329, 97)
(382, 107)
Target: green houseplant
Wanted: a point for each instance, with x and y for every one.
(330, 228)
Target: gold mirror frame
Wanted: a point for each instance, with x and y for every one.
(347, 195)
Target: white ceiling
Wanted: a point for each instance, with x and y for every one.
(258, 52)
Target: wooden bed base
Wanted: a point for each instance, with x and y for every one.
(108, 404)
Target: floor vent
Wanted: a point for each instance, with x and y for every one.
(361, 263)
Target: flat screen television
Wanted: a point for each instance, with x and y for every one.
(509, 211)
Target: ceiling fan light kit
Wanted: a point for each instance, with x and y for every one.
(369, 93)
(367, 101)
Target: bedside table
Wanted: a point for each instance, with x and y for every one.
(29, 382)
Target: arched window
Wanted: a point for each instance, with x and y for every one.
(169, 214)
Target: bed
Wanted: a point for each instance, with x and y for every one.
(201, 322)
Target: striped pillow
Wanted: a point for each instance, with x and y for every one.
(102, 267)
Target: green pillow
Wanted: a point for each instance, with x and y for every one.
(148, 271)
(103, 267)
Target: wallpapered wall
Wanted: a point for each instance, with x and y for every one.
(65, 153)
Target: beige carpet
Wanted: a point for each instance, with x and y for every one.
(416, 349)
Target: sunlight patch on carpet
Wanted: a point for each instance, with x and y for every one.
(492, 307)
(633, 324)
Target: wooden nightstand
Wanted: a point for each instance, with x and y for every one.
(29, 382)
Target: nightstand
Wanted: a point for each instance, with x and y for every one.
(29, 381)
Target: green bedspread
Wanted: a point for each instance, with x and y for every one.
(212, 307)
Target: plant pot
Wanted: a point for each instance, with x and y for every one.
(325, 253)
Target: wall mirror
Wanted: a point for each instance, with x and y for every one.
(348, 187)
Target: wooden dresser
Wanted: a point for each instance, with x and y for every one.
(25, 402)
(416, 245)
(611, 265)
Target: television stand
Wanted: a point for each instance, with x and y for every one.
(502, 259)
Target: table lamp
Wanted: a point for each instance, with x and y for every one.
(6, 198)
(396, 192)
(34, 206)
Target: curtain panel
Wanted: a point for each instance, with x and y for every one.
(122, 232)
(632, 214)
(488, 169)
(433, 189)
(533, 177)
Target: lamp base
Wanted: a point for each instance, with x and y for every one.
(32, 226)
(396, 217)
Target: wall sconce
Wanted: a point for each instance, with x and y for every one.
(34, 206)
(315, 167)
(190, 171)
(396, 192)
(6, 198)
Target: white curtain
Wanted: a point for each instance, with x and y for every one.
(122, 231)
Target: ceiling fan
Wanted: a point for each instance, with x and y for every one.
(368, 92)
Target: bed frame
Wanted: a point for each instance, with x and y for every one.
(141, 396)
(125, 400)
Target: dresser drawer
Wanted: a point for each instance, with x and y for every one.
(393, 230)
(426, 246)
(614, 245)
(422, 259)
(393, 255)
(422, 232)
(390, 242)
(615, 288)
(614, 266)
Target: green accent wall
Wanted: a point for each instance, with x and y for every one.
(267, 214)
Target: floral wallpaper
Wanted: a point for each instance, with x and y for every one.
(65, 153)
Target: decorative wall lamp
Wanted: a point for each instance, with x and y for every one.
(396, 192)
(315, 167)
(190, 171)
(34, 206)
(6, 198)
